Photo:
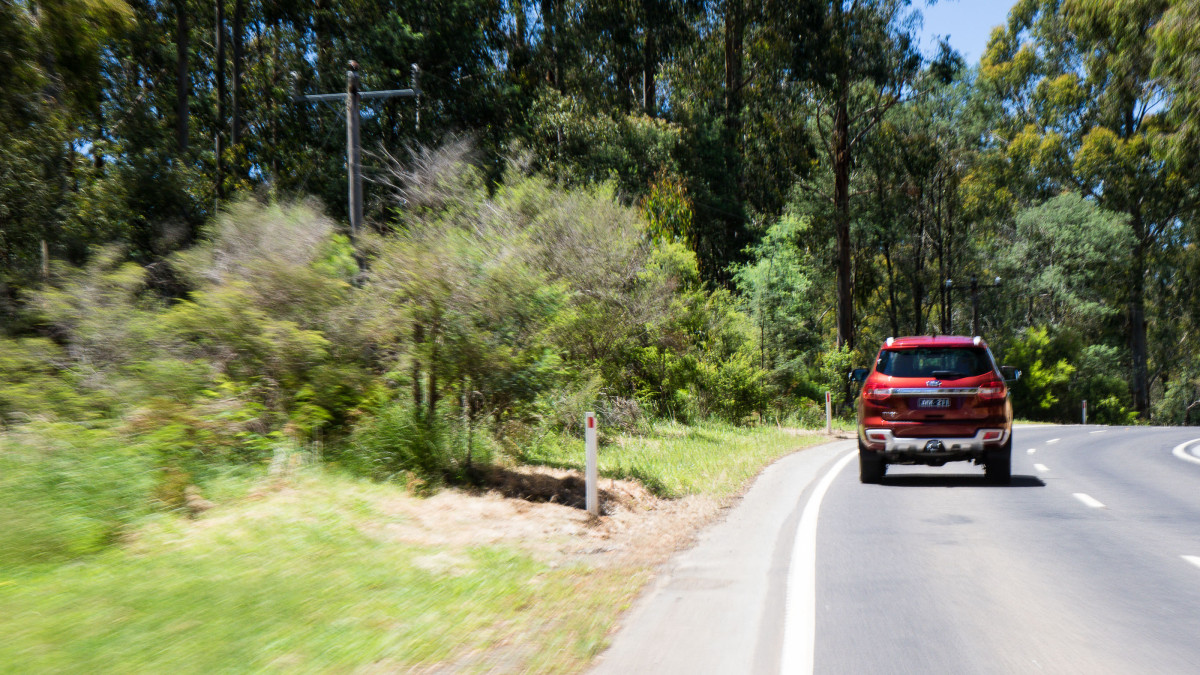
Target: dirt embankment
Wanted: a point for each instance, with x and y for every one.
(540, 510)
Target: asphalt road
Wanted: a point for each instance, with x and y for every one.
(1088, 563)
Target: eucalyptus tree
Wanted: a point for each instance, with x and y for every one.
(859, 59)
(1084, 112)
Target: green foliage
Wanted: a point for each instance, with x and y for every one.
(581, 145)
(425, 451)
(1061, 258)
(674, 460)
(668, 210)
(67, 490)
(1099, 381)
(35, 382)
(1046, 376)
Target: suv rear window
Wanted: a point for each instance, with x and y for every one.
(943, 363)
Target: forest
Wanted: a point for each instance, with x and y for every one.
(683, 209)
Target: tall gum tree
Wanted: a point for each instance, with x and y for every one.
(859, 59)
(1085, 113)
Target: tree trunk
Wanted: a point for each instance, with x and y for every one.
(518, 57)
(735, 26)
(219, 75)
(182, 79)
(650, 73)
(1137, 323)
(841, 215)
(417, 340)
(432, 397)
(550, 41)
(235, 133)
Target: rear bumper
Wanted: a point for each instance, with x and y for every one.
(915, 449)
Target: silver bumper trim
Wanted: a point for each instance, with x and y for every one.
(970, 444)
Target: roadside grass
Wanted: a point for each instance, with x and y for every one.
(67, 491)
(306, 574)
(675, 460)
(302, 580)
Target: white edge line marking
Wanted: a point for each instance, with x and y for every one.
(1053, 440)
(1031, 451)
(1098, 431)
(1181, 452)
(1194, 559)
(1041, 467)
(1088, 500)
(800, 612)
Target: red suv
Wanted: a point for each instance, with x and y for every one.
(932, 400)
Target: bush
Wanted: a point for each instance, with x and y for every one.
(68, 490)
(35, 383)
(399, 441)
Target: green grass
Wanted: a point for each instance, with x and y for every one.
(67, 490)
(303, 581)
(676, 460)
(308, 577)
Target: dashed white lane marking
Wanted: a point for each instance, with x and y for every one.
(1098, 431)
(800, 612)
(1053, 440)
(1031, 451)
(1181, 452)
(1088, 500)
(1041, 467)
(1194, 559)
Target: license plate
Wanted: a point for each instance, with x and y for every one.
(933, 403)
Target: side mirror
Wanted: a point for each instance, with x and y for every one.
(858, 375)
(1010, 374)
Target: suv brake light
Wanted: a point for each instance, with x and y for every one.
(992, 390)
(876, 392)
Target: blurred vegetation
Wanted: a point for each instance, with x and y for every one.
(591, 207)
(308, 578)
(486, 316)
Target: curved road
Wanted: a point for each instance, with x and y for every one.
(1088, 562)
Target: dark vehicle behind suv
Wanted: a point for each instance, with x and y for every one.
(932, 400)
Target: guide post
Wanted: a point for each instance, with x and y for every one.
(589, 440)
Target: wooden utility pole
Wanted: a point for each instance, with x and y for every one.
(353, 98)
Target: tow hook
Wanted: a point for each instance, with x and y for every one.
(934, 446)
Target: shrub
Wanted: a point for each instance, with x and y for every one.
(401, 440)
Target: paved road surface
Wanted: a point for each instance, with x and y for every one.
(1089, 562)
(1079, 567)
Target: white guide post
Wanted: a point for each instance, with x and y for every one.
(828, 413)
(1085, 411)
(589, 440)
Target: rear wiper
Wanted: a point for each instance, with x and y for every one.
(947, 374)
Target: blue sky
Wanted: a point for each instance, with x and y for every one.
(967, 23)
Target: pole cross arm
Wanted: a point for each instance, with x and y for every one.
(390, 93)
(316, 98)
(387, 93)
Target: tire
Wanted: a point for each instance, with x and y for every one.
(871, 466)
(998, 467)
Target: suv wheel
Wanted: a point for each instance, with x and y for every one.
(871, 466)
(998, 465)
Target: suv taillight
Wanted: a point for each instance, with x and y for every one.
(876, 392)
(992, 390)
